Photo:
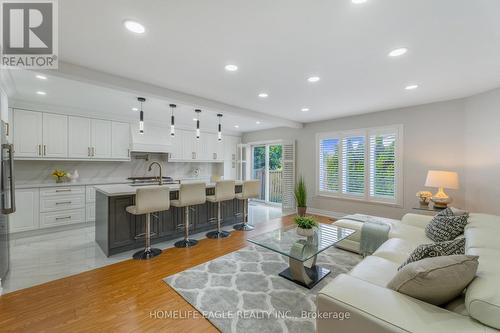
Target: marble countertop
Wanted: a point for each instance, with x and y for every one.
(127, 189)
(21, 185)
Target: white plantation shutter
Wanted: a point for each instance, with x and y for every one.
(288, 175)
(329, 156)
(383, 165)
(361, 164)
(353, 165)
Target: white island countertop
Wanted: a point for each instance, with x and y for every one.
(126, 189)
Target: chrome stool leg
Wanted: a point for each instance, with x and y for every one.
(148, 252)
(218, 233)
(244, 226)
(186, 242)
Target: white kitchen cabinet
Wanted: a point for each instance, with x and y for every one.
(215, 148)
(90, 212)
(28, 133)
(51, 219)
(176, 149)
(27, 215)
(55, 135)
(79, 141)
(120, 140)
(230, 156)
(101, 138)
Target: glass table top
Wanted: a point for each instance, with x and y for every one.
(286, 241)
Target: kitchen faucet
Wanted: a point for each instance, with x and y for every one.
(160, 182)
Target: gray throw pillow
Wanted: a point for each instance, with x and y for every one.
(446, 225)
(436, 280)
(456, 246)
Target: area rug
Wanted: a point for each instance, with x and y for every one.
(242, 292)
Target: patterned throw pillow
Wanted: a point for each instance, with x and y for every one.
(448, 248)
(446, 225)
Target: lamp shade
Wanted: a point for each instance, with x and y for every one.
(444, 179)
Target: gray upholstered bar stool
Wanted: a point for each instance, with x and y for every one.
(249, 189)
(224, 191)
(189, 195)
(149, 200)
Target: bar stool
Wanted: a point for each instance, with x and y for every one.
(149, 200)
(189, 195)
(249, 189)
(224, 191)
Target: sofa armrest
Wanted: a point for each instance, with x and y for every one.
(416, 220)
(377, 309)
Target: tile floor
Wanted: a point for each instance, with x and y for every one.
(39, 259)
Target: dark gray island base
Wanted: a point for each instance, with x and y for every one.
(117, 231)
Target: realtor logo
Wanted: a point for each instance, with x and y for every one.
(29, 34)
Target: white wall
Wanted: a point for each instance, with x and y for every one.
(433, 139)
(482, 137)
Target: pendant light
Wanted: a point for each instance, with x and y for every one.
(198, 112)
(219, 128)
(172, 120)
(141, 115)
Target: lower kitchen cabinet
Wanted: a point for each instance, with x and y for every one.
(52, 219)
(27, 215)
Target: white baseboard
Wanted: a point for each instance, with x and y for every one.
(327, 213)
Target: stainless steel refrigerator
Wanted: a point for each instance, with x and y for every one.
(7, 198)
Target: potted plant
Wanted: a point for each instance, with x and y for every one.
(300, 193)
(305, 225)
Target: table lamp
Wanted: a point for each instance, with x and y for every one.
(441, 180)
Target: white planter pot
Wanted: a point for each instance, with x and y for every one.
(305, 232)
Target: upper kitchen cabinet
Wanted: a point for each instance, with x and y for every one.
(155, 139)
(79, 138)
(205, 149)
(55, 135)
(101, 139)
(27, 133)
(176, 149)
(120, 140)
(215, 148)
(40, 135)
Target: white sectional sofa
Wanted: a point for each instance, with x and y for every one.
(374, 308)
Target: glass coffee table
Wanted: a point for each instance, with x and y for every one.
(302, 251)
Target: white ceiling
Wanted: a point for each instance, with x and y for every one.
(453, 51)
(70, 96)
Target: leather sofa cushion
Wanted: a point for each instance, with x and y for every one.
(396, 250)
(375, 270)
(436, 280)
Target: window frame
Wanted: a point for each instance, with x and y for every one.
(366, 133)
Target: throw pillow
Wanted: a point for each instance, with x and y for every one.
(456, 246)
(446, 226)
(436, 280)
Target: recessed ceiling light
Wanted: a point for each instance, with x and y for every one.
(135, 109)
(257, 122)
(304, 109)
(313, 79)
(134, 26)
(398, 52)
(263, 95)
(41, 77)
(195, 119)
(41, 93)
(231, 68)
(236, 126)
(357, 2)
(411, 87)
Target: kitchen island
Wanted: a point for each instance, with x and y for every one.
(117, 231)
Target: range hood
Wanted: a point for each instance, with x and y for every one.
(154, 140)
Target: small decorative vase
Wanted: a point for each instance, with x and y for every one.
(301, 211)
(59, 180)
(424, 202)
(305, 232)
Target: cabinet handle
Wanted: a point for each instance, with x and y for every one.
(194, 155)
(128, 152)
(63, 218)
(64, 203)
(88, 151)
(39, 150)
(215, 156)
(7, 129)
(64, 190)
(93, 151)
(44, 150)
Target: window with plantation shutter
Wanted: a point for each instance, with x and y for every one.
(361, 164)
(329, 165)
(353, 165)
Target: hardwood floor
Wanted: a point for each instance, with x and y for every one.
(122, 296)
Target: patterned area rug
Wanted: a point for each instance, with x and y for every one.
(242, 292)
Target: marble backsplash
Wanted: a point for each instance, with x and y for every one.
(40, 171)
